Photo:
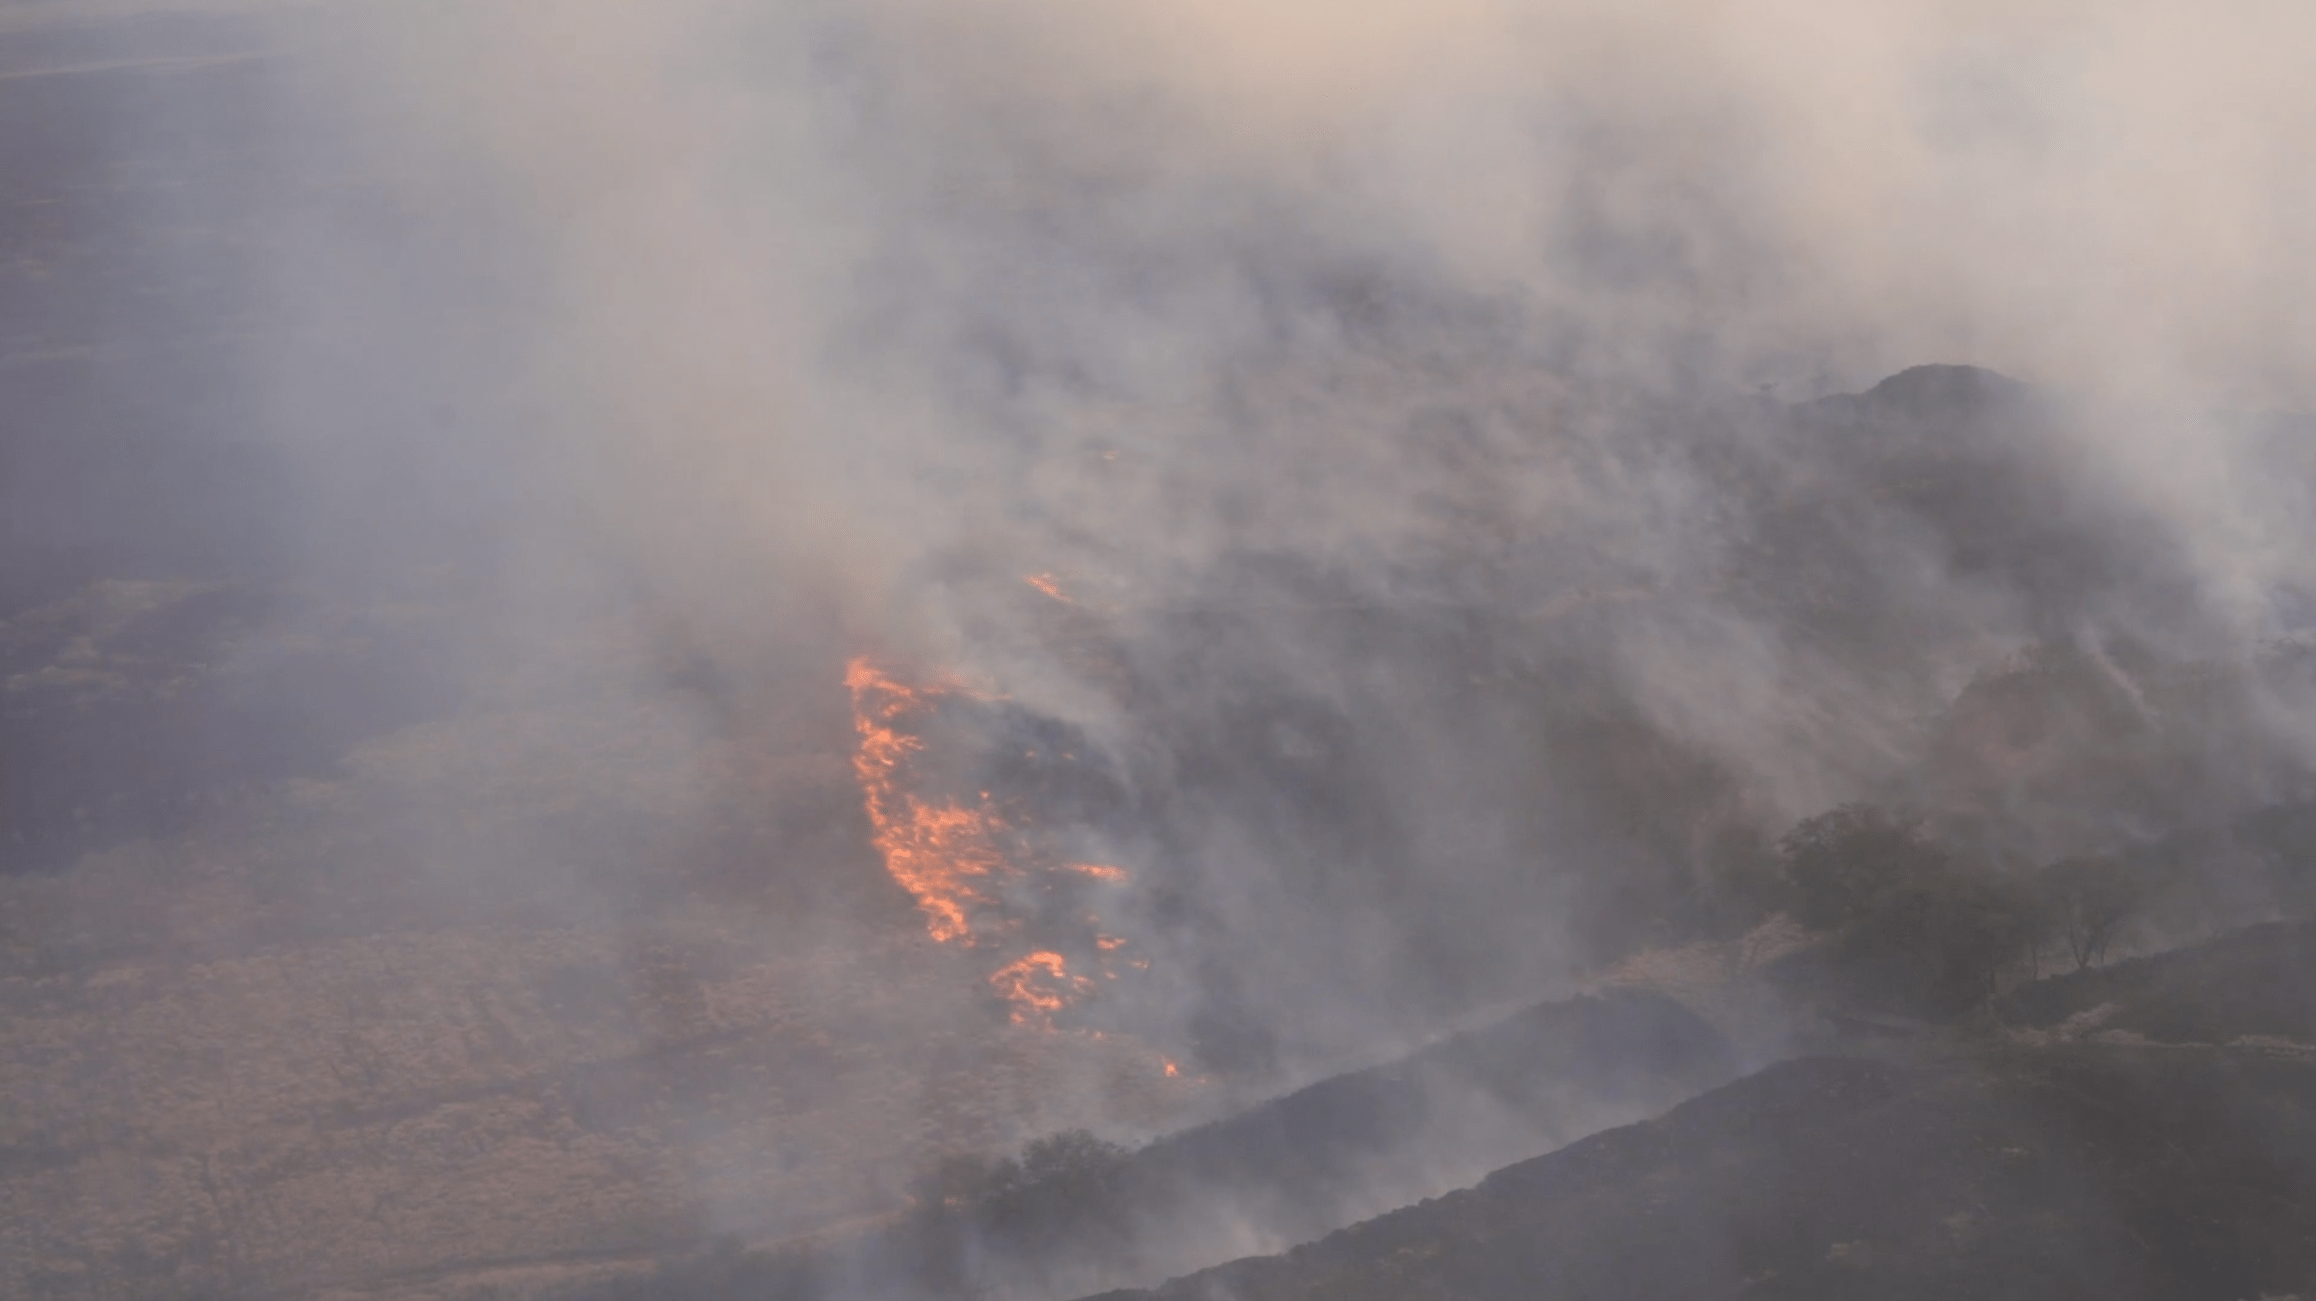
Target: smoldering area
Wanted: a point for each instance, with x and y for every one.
(1427, 497)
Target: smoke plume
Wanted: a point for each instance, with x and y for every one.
(1346, 515)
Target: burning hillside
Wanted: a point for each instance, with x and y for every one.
(629, 623)
(945, 854)
(984, 878)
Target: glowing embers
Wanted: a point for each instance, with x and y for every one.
(979, 879)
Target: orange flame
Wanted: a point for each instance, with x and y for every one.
(1049, 585)
(1038, 986)
(935, 851)
(948, 855)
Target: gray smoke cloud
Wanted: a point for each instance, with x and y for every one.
(1412, 412)
(1329, 363)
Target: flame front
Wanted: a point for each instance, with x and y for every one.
(962, 863)
(1038, 986)
(937, 852)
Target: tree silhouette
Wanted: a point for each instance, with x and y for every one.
(1909, 926)
(2088, 900)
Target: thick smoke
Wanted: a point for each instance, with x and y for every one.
(1366, 383)
(1453, 560)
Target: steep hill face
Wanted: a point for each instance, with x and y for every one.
(2253, 987)
(2093, 1172)
(1324, 1156)
(1291, 1169)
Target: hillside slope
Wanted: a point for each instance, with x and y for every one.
(1311, 1161)
(2257, 984)
(2107, 1172)
(1085, 1214)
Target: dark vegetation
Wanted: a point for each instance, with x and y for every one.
(2255, 983)
(1296, 1162)
(1911, 927)
(2104, 1173)
(1069, 1197)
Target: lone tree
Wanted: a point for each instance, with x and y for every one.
(2088, 901)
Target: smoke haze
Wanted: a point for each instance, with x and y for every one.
(1373, 476)
(1272, 333)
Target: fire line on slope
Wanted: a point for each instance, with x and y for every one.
(940, 853)
(953, 857)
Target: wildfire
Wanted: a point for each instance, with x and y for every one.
(959, 860)
(937, 852)
(1038, 986)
